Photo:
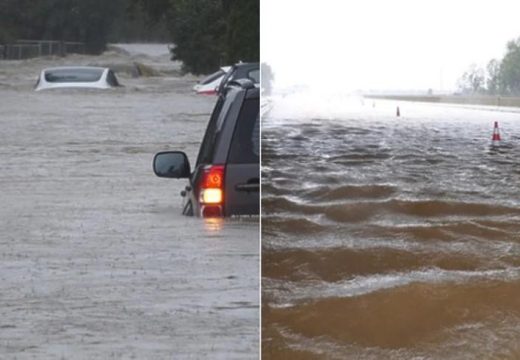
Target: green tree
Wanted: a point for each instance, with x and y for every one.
(493, 77)
(206, 33)
(209, 33)
(66, 20)
(135, 24)
(472, 81)
(95, 18)
(11, 19)
(197, 27)
(510, 69)
(502, 78)
(242, 30)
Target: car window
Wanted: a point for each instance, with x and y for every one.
(230, 98)
(254, 75)
(111, 79)
(73, 75)
(208, 142)
(220, 112)
(245, 145)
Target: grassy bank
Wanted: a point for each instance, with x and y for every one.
(513, 101)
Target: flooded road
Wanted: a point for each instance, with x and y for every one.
(389, 237)
(96, 260)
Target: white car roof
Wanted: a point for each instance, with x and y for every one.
(96, 79)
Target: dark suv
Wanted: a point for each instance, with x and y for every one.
(225, 179)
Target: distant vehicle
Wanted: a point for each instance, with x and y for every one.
(226, 177)
(250, 71)
(210, 84)
(76, 77)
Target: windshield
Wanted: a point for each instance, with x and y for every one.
(245, 148)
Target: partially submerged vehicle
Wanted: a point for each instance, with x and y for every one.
(91, 77)
(210, 84)
(225, 180)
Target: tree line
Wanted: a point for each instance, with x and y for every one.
(209, 33)
(206, 33)
(499, 77)
(63, 20)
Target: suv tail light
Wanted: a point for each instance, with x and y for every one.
(212, 185)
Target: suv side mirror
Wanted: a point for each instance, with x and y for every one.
(171, 164)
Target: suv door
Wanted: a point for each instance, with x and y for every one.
(242, 178)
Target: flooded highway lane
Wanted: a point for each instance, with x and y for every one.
(389, 237)
(96, 260)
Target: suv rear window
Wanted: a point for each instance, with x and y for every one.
(208, 142)
(216, 121)
(245, 146)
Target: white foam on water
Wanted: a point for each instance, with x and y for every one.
(287, 293)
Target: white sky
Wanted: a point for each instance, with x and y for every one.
(377, 44)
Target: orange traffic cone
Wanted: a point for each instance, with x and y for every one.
(496, 135)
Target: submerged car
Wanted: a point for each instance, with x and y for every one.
(76, 77)
(210, 84)
(226, 177)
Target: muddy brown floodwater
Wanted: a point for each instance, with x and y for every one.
(96, 261)
(389, 237)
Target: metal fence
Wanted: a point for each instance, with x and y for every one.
(25, 49)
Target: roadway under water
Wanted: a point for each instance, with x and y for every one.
(389, 237)
(96, 260)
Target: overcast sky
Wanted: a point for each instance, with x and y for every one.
(377, 44)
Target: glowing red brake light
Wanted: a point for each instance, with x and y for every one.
(212, 185)
(213, 177)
